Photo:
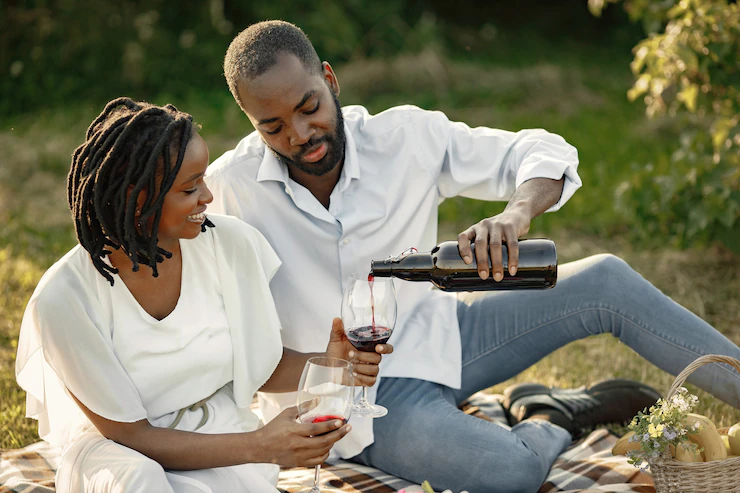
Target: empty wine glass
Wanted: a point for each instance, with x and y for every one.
(325, 392)
(369, 315)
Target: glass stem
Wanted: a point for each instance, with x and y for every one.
(316, 477)
(363, 399)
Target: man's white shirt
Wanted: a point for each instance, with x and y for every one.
(399, 165)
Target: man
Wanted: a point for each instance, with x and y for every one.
(333, 188)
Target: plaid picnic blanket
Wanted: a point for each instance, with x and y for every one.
(587, 466)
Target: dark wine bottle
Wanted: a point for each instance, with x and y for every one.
(445, 268)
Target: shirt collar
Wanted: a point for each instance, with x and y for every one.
(272, 169)
(351, 168)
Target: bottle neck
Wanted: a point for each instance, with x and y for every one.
(413, 267)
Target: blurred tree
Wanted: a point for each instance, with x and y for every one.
(688, 69)
(56, 51)
(53, 52)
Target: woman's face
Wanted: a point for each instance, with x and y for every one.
(183, 210)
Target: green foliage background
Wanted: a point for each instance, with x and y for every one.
(683, 187)
(489, 64)
(689, 68)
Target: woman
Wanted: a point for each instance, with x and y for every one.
(146, 375)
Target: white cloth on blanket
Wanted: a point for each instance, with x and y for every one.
(72, 338)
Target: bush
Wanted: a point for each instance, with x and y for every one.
(54, 52)
(689, 69)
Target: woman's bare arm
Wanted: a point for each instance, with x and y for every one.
(282, 441)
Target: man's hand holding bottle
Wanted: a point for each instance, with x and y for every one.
(489, 235)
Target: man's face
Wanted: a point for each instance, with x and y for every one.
(298, 115)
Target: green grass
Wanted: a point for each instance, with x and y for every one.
(581, 98)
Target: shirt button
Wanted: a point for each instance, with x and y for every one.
(346, 241)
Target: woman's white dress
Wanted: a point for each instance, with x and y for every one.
(221, 340)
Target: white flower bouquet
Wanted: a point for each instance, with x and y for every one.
(665, 427)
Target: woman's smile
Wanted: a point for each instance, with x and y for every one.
(198, 217)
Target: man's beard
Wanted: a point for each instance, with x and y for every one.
(335, 148)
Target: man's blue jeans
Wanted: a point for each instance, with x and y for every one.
(425, 436)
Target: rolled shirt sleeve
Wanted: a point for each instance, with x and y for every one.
(489, 164)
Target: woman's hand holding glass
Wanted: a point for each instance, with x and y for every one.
(325, 394)
(287, 442)
(364, 364)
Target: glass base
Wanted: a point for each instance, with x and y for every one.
(324, 489)
(367, 410)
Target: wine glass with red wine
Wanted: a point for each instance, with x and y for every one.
(369, 315)
(326, 392)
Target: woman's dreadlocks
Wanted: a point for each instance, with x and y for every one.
(128, 145)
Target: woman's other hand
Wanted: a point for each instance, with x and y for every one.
(364, 364)
(286, 442)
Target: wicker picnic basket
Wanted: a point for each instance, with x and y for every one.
(672, 476)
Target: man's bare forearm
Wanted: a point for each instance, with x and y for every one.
(537, 195)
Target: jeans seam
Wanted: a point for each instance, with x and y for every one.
(608, 309)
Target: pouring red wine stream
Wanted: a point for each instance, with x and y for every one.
(365, 338)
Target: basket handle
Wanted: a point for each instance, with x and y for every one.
(698, 362)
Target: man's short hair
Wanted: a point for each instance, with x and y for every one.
(255, 50)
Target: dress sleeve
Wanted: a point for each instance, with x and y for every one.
(65, 347)
(489, 164)
(238, 231)
(224, 198)
(268, 258)
(245, 264)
